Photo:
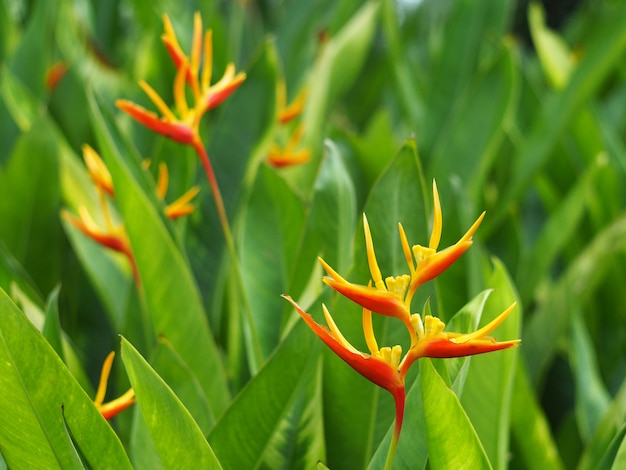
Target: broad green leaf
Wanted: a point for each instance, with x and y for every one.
(467, 28)
(268, 238)
(452, 441)
(141, 449)
(12, 272)
(331, 221)
(171, 294)
(467, 146)
(52, 326)
(265, 401)
(556, 233)
(605, 44)
(299, 440)
(579, 281)
(554, 54)
(177, 437)
(529, 427)
(376, 146)
(35, 312)
(412, 450)
(173, 370)
(35, 42)
(29, 198)
(487, 392)
(620, 457)
(592, 398)
(40, 398)
(19, 109)
(237, 145)
(338, 64)
(606, 432)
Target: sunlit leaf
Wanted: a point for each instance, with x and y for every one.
(177, 437)
(40, 399)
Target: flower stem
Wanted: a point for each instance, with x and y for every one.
(392, 451)
(399, 397)
(217, 195)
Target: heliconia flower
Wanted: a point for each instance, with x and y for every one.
(111, 408)
(181, 206)
(289, 155)
(98, 171)
(113, 237)
(385, 366)
(184, 127)
(430, 263)
(434, 342)
(392, 296)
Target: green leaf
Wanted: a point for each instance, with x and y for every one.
(592, 398)
(554, 54)
(177, 437)
(170, 291)
(334, 199)
(40, 397)
(37, 41)
(452, 441)
(52, 326)
(620, 457)
(412, 450)
(488, 387)
(529, 426)
(467, 146)
(468, 29)
(268, 238)
(35, 313)
(173, 370)
(299, 439)
(604, 46)
(582, 277)
(609, 431)
(29, 198)
(337, 67)
(265, 400)
(558, 231)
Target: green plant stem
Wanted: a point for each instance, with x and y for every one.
(392, 449)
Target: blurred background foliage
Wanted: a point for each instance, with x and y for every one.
(514, 107)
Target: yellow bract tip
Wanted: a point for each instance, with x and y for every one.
(435, 236)
(104, 378)
(377, 277)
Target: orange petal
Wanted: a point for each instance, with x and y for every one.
(373, 369)
(434, 265)
(179, 132)
(381, 302)
(214, 98)
(110, 409)
(279, 159)
(441, 348)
